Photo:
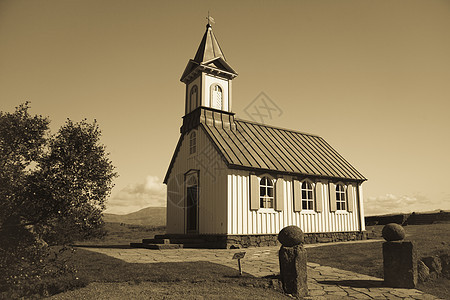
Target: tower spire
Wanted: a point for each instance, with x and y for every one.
(209, 56)
(210, 20)
(208, 79)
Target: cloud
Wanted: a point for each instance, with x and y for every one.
(389, 203)
(150, 192)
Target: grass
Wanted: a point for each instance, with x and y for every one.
(367, 258)
(428, 239)
(108, 276)
(123, 234)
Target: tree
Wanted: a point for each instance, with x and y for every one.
(53, 188)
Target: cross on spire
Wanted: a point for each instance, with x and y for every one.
(210, 19)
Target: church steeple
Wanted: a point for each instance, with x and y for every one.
(209, 47)
(208, 76)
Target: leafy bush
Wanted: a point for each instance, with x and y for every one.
(53, 189)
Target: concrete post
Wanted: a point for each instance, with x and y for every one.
(292, 256)
(399, 258)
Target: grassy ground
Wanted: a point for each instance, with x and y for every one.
(108, 277)
(119, 234)
(368, 259)
(428, 239)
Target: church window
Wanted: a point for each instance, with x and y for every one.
(216, 97)
(266, 192)
(340, 197)
(193, 142)
(307, 195)
(194, 97)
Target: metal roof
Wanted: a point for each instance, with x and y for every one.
(208, 58)
(258, 146)
(209, 47)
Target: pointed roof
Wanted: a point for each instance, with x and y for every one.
(209, 47)
(209, 57)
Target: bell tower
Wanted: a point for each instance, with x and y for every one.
(208, 77)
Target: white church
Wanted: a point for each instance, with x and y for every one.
(238, 183)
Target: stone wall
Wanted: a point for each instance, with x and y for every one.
(262, 240)
(433, 267)
(409, 219)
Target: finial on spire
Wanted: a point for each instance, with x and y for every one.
(210, 20)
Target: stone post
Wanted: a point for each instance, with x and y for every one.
(292, 255)
(399, 258)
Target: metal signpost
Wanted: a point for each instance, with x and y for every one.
(239, 256)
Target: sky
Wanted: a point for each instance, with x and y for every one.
(371, 77)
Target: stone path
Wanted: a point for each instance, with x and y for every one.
(323, 282)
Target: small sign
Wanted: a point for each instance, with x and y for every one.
(239, 255)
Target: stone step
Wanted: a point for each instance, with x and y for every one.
(157, 241)
(156, 246)
(187, 241)
(174, 236)
(204, 245)
(136, 245)
(173, 241)
(162, 246)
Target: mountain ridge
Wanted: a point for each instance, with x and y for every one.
(149, 216)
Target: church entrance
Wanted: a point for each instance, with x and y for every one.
(192, 203)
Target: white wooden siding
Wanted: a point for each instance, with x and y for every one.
(242, 220)
(212, 187)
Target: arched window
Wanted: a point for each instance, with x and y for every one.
(193, 142)
(266, 193)
(340, 197)
(307, 195)
(194, 97)
(216, 97)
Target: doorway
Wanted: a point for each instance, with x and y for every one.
(192, 203)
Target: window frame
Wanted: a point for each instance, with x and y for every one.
(192, 105)
(222, 93)
(193, 142)
(307, 200)
(266, 186)
(341, 197)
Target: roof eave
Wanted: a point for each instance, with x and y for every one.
(202, 68)
(222, 61)
(263, 170)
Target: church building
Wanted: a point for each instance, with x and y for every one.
(238, 182)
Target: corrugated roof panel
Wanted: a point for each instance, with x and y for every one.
(252, 156)
(305, 159)
(294, 156)
(328, 158)
(263, 147)
(312, 157)
(355, 172)
(231, 142)
(217, 142)
(271, 147)
(321, 157)
(233, 157)
(332, 159)
(285, 154)
(256, 142)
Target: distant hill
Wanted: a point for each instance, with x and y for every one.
(415, 218)
(404, 213)
(150, 216)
